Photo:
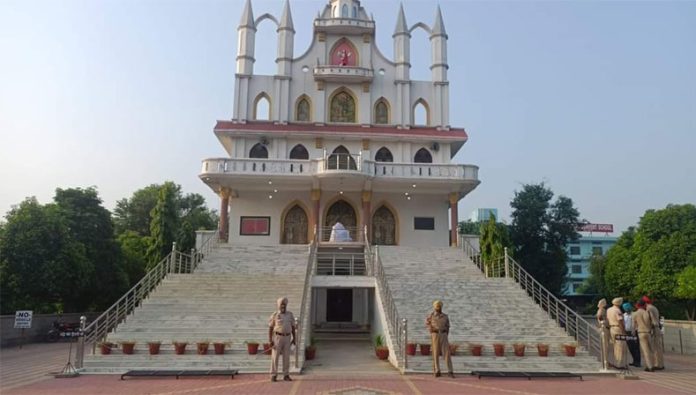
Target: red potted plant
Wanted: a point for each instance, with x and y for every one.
(424, 349)
(105, 347)
(252, 347)
(499, 349)
(381, 350)
(219, 347)
(311, 350)
(411, 348)
(180, 347)
(202, 347)
(128, 346)
(476, 349)
(543, 349)
(570, 349)
(519, 349)
(154, 347)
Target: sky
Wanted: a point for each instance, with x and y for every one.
(597, 99)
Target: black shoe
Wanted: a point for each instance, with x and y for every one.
(661, 368)
(450, 374)
(287, 378)
(437, 374)
(274, 378)
(649, 370)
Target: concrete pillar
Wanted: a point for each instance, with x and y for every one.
(316, 216)
(367, 212)
(453, 200)
(224, 226)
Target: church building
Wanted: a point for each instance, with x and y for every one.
(333, 138)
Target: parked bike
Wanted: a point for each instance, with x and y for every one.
(63, 330)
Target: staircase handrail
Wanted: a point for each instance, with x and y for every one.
(368, 253)
(303, 332)
(585, 333)
(392, 314)
(174, 262)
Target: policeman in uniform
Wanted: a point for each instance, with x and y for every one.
(438, 325)
(643, 325)
(658, 345)
(616, 327)
(281, 326)
(604, 329)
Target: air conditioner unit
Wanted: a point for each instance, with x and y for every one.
(435, 146)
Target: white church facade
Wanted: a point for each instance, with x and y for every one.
(332, 138)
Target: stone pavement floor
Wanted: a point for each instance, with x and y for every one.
(25, 372)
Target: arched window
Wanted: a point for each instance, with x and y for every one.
(355, 12)
(341, 159)
(381, 112)
(423, 156)
(302, 112)
(384, 155)
(344, 11)
(334, 13)
(342, 108)
(421, 113)
(258, 151)
(299, 152)
(262, 107)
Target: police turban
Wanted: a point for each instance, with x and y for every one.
(436, 303)
(617, 301)
(282, 300)
(602, 303)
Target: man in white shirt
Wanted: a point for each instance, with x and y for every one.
(633, 346)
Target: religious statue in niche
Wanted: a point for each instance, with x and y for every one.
(303, 110)
(342, 108)
(343, 55)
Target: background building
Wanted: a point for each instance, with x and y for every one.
(581, 252)
(484, 214)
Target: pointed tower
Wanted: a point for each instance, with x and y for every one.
(402, 58)
(246, 34)
(438, 42)
(286, 39)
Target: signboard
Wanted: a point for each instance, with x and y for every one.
(605, 228)
(23, 319)
(625, 337)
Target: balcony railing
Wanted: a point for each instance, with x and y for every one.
(343, 73)
(343, 25)
(339, 163)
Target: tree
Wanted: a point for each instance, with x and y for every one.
(594, 284)
(540, 231)
(686, 290)
(494, 240)
(134, 214)
(134, 250)
(469, 228)
(163, 225)
(90, 224)
(42, 267)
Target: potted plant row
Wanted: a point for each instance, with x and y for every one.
(381, 350)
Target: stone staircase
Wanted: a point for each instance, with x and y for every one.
(228, 298)
(481, 310)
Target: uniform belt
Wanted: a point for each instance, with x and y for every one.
(282, 334)
(436, 331)
(614, 325)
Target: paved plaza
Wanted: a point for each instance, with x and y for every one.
(27, 371)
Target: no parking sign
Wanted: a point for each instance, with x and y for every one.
(23, 319)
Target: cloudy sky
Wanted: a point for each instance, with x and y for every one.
(597, 99)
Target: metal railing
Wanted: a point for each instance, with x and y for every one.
(392, 314)
(342, 162)
(369, 254)
(585, 333)
(350, 234)
(341, 264)
(303, 323)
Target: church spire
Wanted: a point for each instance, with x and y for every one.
(439, 25)
(286, 18)
(247, 16)
(401, 26)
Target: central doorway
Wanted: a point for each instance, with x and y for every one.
(339, 305)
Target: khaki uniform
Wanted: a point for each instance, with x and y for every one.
(615, 318)
(439, 325)
(658, 346)
(283, 324)
(604, 330)
(644, 326)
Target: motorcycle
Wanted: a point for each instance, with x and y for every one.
(63, 330)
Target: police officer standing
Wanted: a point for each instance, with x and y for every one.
(658, 345)
(281, 326)
(438, 325)
(616, 327)
(644, 326)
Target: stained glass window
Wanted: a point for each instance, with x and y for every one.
(342, 108)
(381, 113)
(303, 111)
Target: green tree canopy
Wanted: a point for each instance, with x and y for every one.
(469, 227)
(686, 290)
(540, 231)
(163, 226)
(494, 239)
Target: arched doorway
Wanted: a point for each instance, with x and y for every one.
(341, 211)
(295, 226)
(383, 227)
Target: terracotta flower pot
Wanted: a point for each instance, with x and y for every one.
(252, 348)
(382, 353)
(519, 349)
(219, 348)
(180, 348)
(569, 350)
(310, 352)
(476, 350)
(499, 350)
(128, 348)
(411, 348)
(154, 348)
(202, 348)
(105, 348)
(543, 350)
(425, 349)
